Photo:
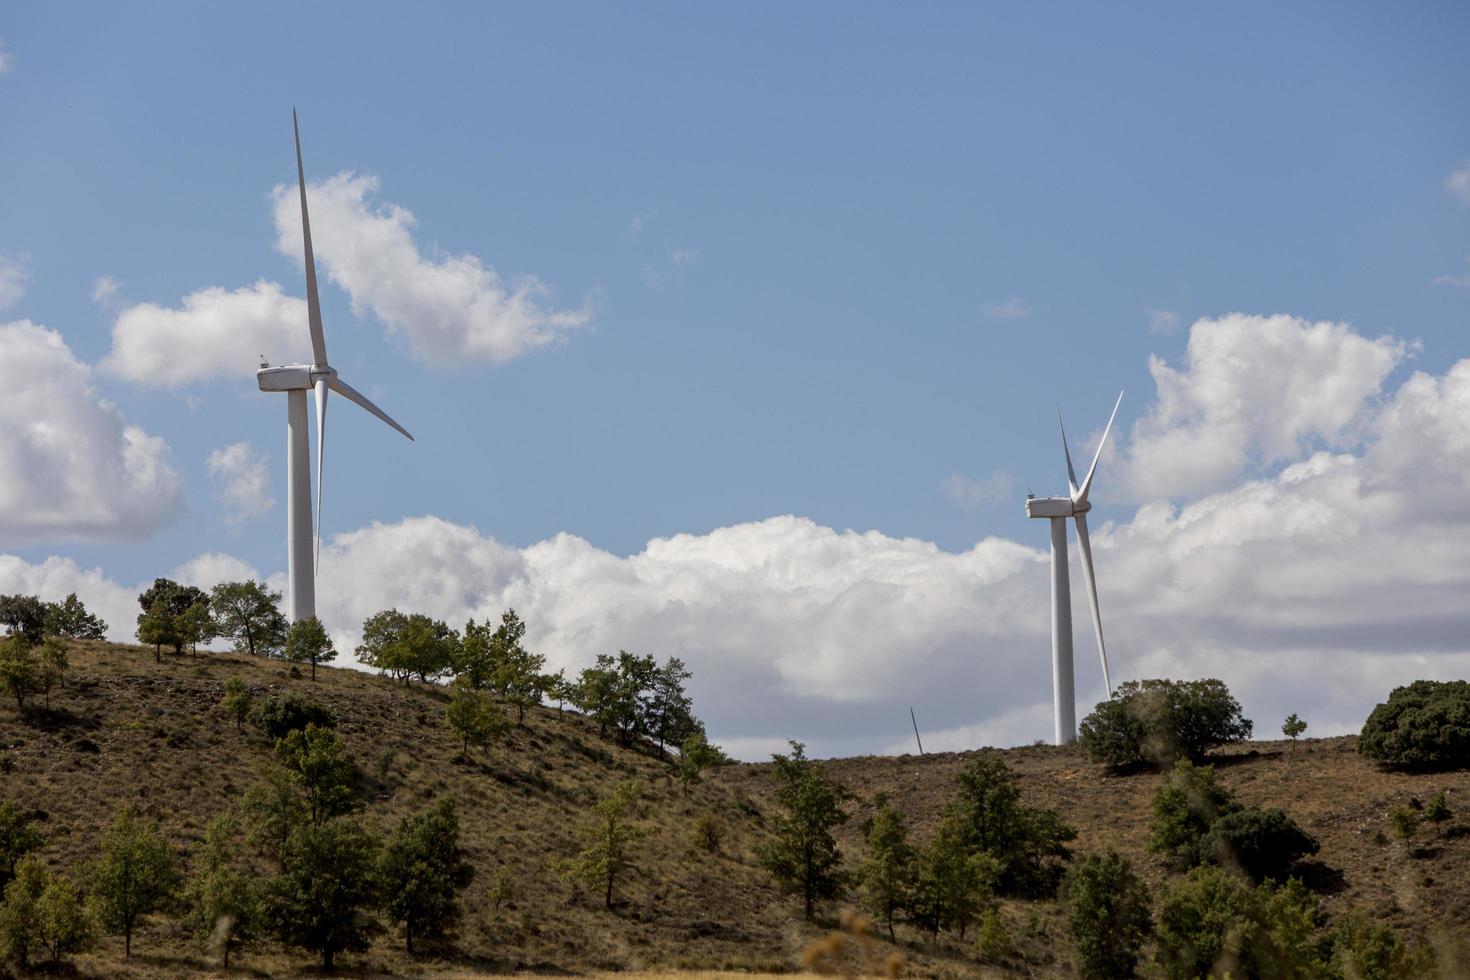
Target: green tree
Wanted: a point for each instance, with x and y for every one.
(1362, 950)
(1404, 822)
(20, 925)
(176, 599)
(886, 874)
(323, 897)
(19, 835)
(1156, 722)
(318, 763)
(50, 667)
(408, 645)
(63, 924)
(236, 701)
(249, 613)
(280, 714)
(422, 870)
(804, 857)
(69, 618)
(474, 662)
(157, 626)
(1293, 726)
(696, 755)
(1424, 726)
(17, 669)
(1261, 843)
(1186, 805)
(1437, 810)
(617, 691)
(1028, 843)
(953, 883)
(474, 717)
(1107, 915)
(272, 808)
(195, 626)
(596, 693)
(136, 874)
(223, 899)
(516, 674)
(23, 616)
(670, 708)
(1214, 924)
(308, 643)
(610, 841)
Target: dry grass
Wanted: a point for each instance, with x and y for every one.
(129, 732)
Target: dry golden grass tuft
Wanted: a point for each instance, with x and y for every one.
(126, 731)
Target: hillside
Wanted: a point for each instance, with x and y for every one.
(126, 731)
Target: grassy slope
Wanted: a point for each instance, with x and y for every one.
(128, 731)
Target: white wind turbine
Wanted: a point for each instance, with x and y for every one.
(1057, 510)
(295, 380)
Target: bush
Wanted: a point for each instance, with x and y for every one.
(280, 715)
(1214, 924)
(1425, 726)
(1186, 806)
(707, 834)
(1156, 722)
(1029, 844)
(1107, 914)
(1364, 951)
(994, 945)
(1262, 843)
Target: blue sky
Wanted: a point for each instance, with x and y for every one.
(832, 254)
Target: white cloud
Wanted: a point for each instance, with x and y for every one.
(1161, 321)
(242, 481)
(73, 468)
(7, 61)
(211, 568)
(971, 494)
(216, 333)
(1011, 309)
(451, 308)
(106, 291)
(1254, 390)
(15, 277)
(1458, 184)
(683, 256)
(1462, 279)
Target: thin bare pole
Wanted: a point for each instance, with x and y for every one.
(916, 730)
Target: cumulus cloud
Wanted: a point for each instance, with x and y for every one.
(73, 468)
(15, 277)
(1255, 390)
(106, 291)
(1011, 309)
(1458, 184)
(242, 481)
(450, 308)
(972, 494)
(214, 333)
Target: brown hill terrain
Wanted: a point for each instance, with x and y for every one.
(126, 731)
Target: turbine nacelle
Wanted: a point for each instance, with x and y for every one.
(292, 377)
(1055, 507)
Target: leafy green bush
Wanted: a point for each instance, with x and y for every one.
(1365, 951)
(1156, 722)
(1262, 843)
(280, 715)
(1186, 806)
(1424, 726)
(1107, 914)
(1028, 843)
(1213, 924)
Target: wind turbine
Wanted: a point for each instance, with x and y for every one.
(296, 380)
(1057, 510)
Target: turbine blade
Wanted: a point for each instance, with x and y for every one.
(1081, 495)
(1084, 545)
(321, 452)
(1071, 474)
(313, 302)
(351, 394)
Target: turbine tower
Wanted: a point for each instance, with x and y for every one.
(1057, 510)
(296, 380)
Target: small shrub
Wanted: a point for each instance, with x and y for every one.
(707, 833)
(993, 945)
(1365, 951)
(1156, 722)
(1262, 843)
(1438, 809)
(1108, 915)
(280, 715)
(1403, 821)
(1424, 726)
(1293, 726)
(1186, 806)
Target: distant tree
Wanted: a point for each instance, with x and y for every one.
(308, 643)
(1437, 810)
(618, 692)
(279, 715)
(560, 688)
(596, 693)
(157, 626)
(322, 898)
(1156, 722)
(608, 854)
(64, 924)
(803, 857)
(20, 922)
(236, 701)
(223, 899)
(1186, 805)
(1293, 726)
(249, 613)
(24, 617)
(19, 835)
(423, 869)
(953, 883)
(515, 671)
(319, 764)
(272, 808)
(474, 717)
(408, 645)
(1214, 924)
(1028, 843)
(1262, 843)
(17, 669)
(474, 661)
(1107, 915)
(1424, 726)
(696, 755)
(69, 618)
(136, 874)
(195, 626)
(51, 667)
(669, 707)
(176, 600)
(1404, 822)
(886, 874)
(1363, 950)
